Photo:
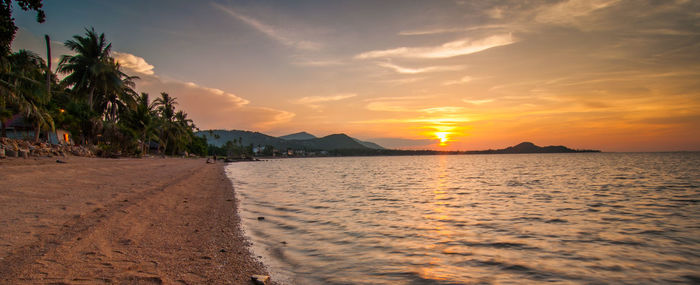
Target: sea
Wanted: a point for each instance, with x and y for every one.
(578, 218)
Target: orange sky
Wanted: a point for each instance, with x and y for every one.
(602, 74)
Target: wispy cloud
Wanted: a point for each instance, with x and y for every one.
(477, 102)
(398, 98)
(270, 31)
(462, 80)
(400, 81)
(443, 110)
(209, 107)
(443, 120)
(318, 63)
(568, 12)
(406, 70)
(232, 99)
(380, 106)
(434, 31)
(322, 99)
(450, 49)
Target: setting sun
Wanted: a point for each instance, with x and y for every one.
(442, 136)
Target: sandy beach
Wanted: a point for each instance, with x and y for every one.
(142, 221)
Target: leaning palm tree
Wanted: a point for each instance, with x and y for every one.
(87, 67)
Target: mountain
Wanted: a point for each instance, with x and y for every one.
(369, 144)
(331, 142)
(302, 136)
(343, 144)
(298, 136)
(528, 147)
(220, 137)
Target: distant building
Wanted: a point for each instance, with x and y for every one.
(19, 128)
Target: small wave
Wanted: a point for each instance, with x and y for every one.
(500, 245)
(532, 273)
(384, 199)
(613, 268)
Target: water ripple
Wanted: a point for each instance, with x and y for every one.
(560, 218)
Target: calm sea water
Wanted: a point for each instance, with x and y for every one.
(556, 218)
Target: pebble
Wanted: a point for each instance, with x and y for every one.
(260, 279)
(25, 149)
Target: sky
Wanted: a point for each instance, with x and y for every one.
(613, 75)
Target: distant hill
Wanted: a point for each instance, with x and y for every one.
(220, 137)
(342, 144)
(528, 147)
(369, 144)
(331, 142)
(328, 143)
(298, 136)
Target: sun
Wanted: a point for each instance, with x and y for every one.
(442, 136)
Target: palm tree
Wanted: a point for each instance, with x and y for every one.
(22, 90)
(116, 91)
(166, 109)
(142, 121)
(88, 66)
(183, 131)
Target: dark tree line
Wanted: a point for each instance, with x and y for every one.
(95, 101)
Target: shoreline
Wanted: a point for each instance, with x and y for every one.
(93, 220)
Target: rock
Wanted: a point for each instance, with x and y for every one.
(11, 153)
(60, 161)
(23, 153)
(261, 218)
(260, 279)
(2, 153)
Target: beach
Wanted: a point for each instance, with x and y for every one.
(91, 220)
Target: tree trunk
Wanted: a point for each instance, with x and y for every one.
(143, 144)
(3, 133)
(48, 65)
(37, 131)
(92, 91)
(114, 112)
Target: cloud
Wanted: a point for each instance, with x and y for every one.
(386, 107)
(477, 102)
(268, 30)
(398, 98)
(443, 110)
(450, 49)
(406, 70)
(210, 108)
(495, 13)
(228, 98)
(134, 63)
(448, 30)
(394, 103)
(462, 80)
(319, 63)
(568, 12)
(322, 99)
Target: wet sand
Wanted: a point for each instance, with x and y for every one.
(143, 221)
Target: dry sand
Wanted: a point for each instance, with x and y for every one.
(133, 221)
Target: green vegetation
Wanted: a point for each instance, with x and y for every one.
(95, 101)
